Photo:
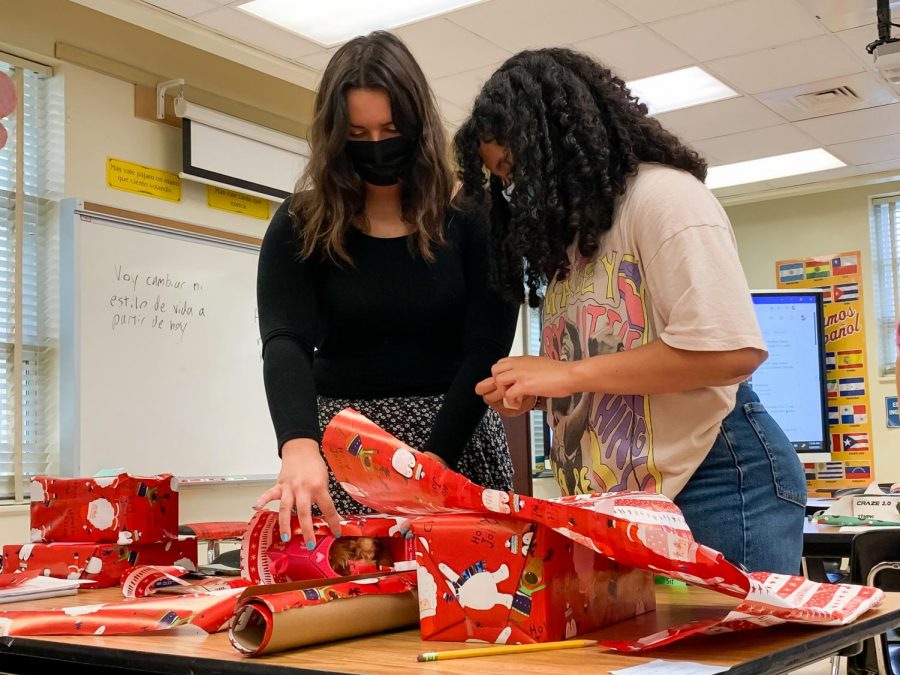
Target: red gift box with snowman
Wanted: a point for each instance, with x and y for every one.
(501, 579)
(121, 509)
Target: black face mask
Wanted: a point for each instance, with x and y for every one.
(381, 162)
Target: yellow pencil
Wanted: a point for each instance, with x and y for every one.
(504, 649)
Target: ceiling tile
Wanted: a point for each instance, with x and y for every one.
(868, 91)
(815, 177)
(461, 89)
(719, 119)
(186, 8)
(739, 27)
(881, 149)
(838, 15)
(240, 25)
(755, 144)
(857, 39)
(318, 60)
(634, 53)
(453, 114)
(820, 58)
(878, 167)
(646, 11)
(442, 48)
(853, 126)
(520, 24)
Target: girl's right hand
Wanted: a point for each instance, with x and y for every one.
(495, 396)
(302, 482)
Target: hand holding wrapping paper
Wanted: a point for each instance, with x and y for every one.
(635, 529)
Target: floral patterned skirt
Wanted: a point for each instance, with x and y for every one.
(484, 461)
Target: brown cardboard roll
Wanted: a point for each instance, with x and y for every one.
(267, 622)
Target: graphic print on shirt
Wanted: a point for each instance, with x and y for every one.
(601, 442)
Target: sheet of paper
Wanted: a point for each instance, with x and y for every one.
(663, 667)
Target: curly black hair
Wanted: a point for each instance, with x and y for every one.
(575, 134)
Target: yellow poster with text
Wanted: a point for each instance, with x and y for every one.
(839, 277)
(237, 202)
(142, 180)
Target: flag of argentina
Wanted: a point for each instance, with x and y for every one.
(790, 272)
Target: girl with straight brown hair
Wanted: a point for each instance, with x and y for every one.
(373, 288)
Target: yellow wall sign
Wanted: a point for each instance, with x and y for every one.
(840, 279)
(142, 180)
(237, 202)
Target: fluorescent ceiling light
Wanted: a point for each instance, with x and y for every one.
(330, 22)
(679, 89)
(768, 168)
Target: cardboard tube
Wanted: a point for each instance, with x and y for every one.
(255, 630)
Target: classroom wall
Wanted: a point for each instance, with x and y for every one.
(100, 122)
(814, 225)
(92, 133)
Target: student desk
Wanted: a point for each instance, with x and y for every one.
(770, 650)
(825, 542)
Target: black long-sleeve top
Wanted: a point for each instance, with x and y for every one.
(392, 324)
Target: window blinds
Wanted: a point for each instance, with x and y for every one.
(31, 179)
(885, 238)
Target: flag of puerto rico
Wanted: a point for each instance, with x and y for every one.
(856, 442)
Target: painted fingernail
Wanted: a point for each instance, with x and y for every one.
(285, 537)
(310, 545)
(408, 534)
(337, 534)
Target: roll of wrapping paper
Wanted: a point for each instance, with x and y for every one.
(276, 617)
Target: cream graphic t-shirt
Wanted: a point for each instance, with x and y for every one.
(668, 269)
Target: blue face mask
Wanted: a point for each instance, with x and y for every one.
(507, 192)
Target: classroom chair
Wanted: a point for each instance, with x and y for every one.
(875, 561)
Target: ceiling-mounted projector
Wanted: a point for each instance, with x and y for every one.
(887, 61)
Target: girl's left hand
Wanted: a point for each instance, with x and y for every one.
(523, 376)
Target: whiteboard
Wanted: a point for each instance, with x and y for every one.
(160, 358)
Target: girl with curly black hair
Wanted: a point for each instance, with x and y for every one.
(373, 290)
(594, 201)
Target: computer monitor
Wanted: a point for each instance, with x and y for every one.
(791, 383)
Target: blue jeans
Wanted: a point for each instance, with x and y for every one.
(747, 499)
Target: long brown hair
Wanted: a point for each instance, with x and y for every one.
(330, 193)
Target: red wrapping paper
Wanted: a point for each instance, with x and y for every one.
(142, 582)
(802, 601)
(507, 580)
(119, 509)
(205, 612)
(265, 559)
(11, 579)
(102, 563)
(639, 530)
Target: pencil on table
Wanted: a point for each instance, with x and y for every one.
(504, 649)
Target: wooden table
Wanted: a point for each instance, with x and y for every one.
(771, 650)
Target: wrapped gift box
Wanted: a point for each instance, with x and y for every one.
(502, 579)
(370, 543)
(102, 563)
(119, 509)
